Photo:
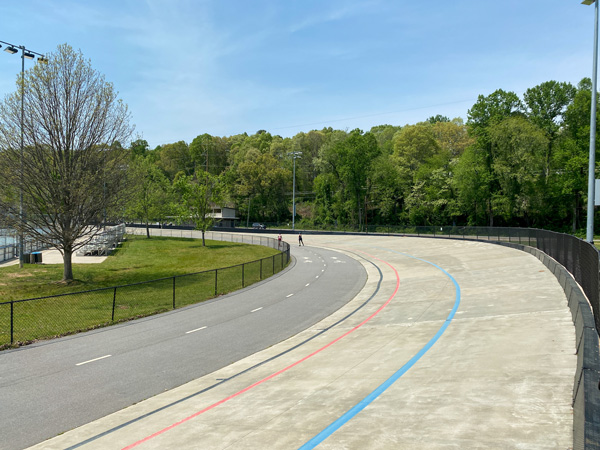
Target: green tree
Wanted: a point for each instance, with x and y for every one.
(260, 179)
(150, 198)
(472, 181)
(519, 160)
(486, 112)
(384, 134)
(175, 158)
(139, 147)
(326, 186)
(572, 153)
(198, 193)
(386, 190)
(438, 118)
(452, 137)
(414, 145)
(210, 153)
(547, 104)
(349, 158)
(493, 108)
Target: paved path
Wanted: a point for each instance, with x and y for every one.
(53, 386)
(53, 256)
(450, 344)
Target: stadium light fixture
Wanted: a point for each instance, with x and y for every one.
(25, 54)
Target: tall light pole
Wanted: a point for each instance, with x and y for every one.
(295, 155)
(592, 158)
(29, 54)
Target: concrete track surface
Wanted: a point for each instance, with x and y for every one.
(450, 344)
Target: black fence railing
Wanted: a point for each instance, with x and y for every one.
(580, 258)
(27, 320)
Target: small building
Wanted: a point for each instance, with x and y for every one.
(225, 216)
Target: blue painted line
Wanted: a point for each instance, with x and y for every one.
(348, 415)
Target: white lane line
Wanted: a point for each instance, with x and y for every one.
(193, 331)
(257, 309)
(317, 276)
(307, 284)
(288, 296)
(322, 270)
(92, 360)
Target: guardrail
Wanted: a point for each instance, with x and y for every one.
(23, 321)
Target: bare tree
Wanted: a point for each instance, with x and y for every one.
(69, 167)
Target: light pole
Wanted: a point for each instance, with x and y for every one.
(592, 158)
(295, 155)
(29, 54)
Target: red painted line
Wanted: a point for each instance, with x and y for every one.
(273, 375)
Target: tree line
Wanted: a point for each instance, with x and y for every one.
(515, 162)
(65, 168)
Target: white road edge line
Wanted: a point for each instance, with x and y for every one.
(92, 360)
(193, 331)
(307, 284)
(288, 296)
(257, 309)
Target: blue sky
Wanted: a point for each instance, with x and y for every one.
(225, 67)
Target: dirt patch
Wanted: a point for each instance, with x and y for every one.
(17, 275)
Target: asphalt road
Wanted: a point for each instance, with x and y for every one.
(54, 386)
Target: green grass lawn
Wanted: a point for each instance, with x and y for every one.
(139, 260)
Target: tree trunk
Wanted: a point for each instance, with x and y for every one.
(147, 230)
(203, 242)
(68, 266)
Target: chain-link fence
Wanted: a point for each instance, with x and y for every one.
(27, 320)
(11, 249)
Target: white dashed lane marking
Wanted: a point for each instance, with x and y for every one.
(92, 360)
(193, 331)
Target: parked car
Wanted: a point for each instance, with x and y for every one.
(259, 226)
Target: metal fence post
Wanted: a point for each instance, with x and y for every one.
(216, 280)
(114, 303)
(273, 264)
(261, 269)
(12, 324)
(173, 292)
(243, 270)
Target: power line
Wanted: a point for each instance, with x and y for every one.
(372, 115)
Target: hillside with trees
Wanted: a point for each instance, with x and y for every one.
(514, 162)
